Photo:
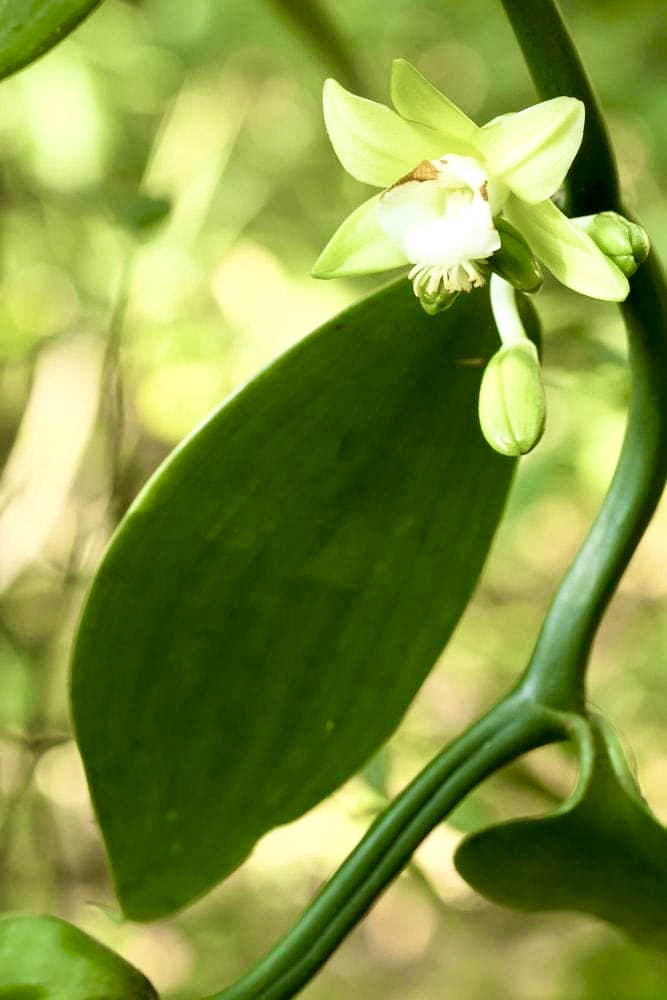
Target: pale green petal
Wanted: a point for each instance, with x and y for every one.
(359, 246)
(532, 151)
(568, 252)
(415, 98)
(373, 143)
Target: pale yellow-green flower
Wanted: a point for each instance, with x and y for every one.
(445, 184)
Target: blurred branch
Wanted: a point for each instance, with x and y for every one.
(32, 751)
(312, 19)
(48, 449)
(10, 813)
(112, 404)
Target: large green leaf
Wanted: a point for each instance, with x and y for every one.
(43, 958)
(602, 852)
(29, 28)
(279, 591)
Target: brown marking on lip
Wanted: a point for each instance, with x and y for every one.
(424, 171)
(484, 191)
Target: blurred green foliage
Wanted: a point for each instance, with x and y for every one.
(120, 327)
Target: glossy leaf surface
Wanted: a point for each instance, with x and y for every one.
(602, 852)
(29, 28)
(281, 588)
(43, 958)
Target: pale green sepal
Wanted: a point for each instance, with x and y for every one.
(374, 143)
(532, 151)
(359, 246)
(512, 407)
(569, 253)
(415, 98)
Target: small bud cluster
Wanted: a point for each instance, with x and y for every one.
(623, 242)
(512, 406)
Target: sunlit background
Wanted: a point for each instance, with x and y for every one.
(165, 184)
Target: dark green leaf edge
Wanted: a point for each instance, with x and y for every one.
(30, 28)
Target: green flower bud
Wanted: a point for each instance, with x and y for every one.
(624, 242)
(515, 261)
(512, 406)
(433, 302)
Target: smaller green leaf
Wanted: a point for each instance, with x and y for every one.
(532, 150)
(359, 246)
(29, 28)
(602, 852)
(44, 958)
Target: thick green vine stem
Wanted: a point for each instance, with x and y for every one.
(557, 669)
(557, 70)
(539, 709)
(510, 729)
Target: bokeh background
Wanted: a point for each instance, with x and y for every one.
(165, 184)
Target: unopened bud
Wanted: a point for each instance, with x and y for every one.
(512, 407)
(624, 242)
(433, 302)
(515, 261)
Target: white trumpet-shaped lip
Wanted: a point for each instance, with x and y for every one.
(440, 216)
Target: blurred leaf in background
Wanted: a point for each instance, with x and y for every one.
(165, 185)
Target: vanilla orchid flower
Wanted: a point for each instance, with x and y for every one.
(450, 187)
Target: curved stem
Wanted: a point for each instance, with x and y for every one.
(511, 728)
(505, 309)
(556, 672)
(557, 69)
